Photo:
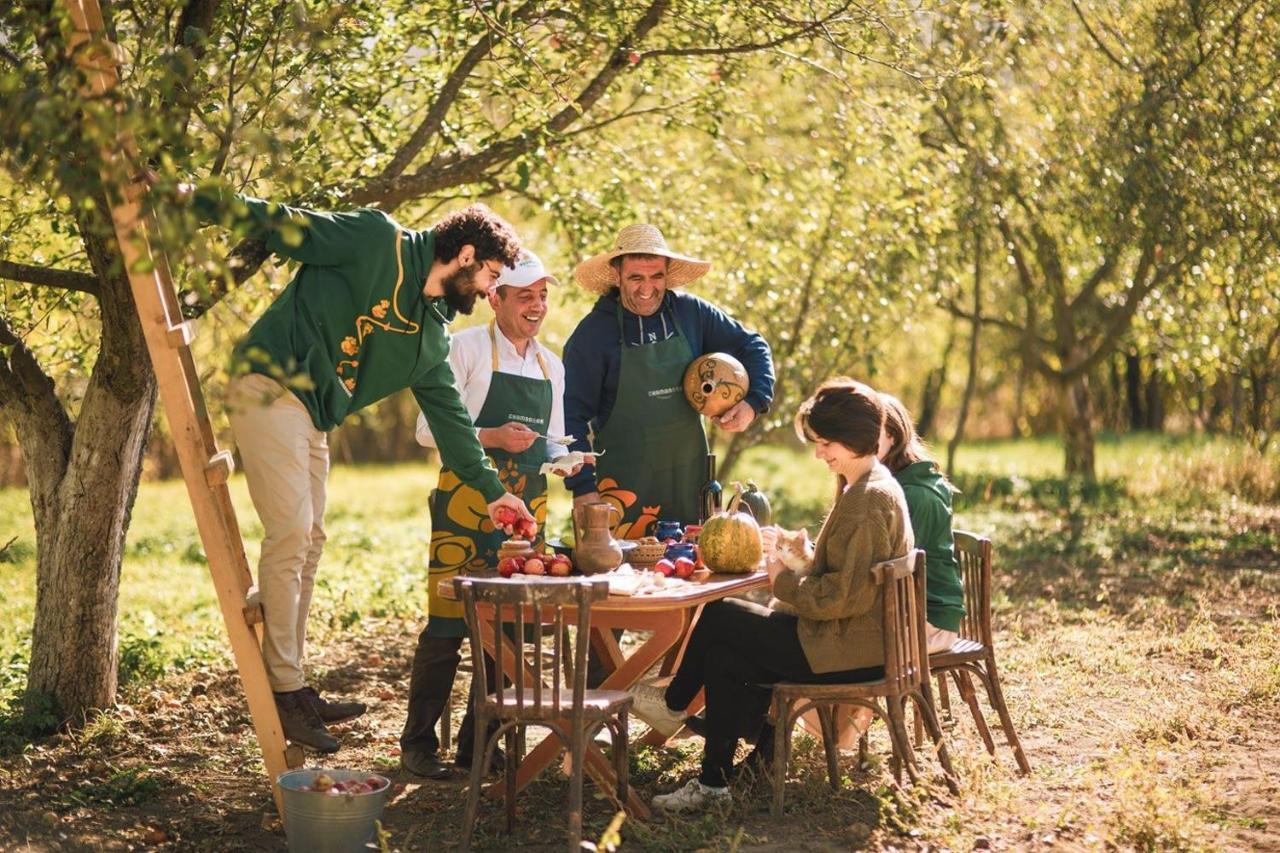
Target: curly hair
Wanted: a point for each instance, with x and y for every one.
(476, 225)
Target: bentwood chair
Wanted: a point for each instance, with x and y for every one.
(906, 676)
(549, 694)
(973, 652)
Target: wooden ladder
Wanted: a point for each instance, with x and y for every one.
(205, 468)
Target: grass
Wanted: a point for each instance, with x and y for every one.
(1136, 632)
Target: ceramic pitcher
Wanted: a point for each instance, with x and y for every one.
(595, 550)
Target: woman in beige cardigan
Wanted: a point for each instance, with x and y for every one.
(824, 625)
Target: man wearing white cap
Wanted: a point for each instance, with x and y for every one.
(625, 364)
(513, 388)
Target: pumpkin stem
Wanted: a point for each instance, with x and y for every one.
(737, 496)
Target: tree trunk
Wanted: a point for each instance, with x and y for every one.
(1155, 402)
(1019, 401)
(81, 526)
(971, 380)
(933, 385)
(1076, 413)
(1133, 386)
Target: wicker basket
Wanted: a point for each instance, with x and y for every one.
(647, 553)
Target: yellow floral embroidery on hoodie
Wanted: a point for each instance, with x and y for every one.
(375, 320)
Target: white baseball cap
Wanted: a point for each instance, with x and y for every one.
(528, 270)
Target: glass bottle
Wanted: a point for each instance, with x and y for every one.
(709, 494)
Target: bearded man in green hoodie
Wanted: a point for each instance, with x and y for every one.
(364, 316)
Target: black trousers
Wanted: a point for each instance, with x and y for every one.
(435, 664)
(736, 647)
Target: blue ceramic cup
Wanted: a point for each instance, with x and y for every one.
(669, 530)
(681, 549)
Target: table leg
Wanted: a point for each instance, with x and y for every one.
(606, 648)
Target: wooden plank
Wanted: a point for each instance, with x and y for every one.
(180, 391)
(219, 468)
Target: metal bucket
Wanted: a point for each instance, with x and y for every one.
(317, 822)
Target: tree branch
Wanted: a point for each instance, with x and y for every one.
(49, 277)
(1119, 63)
(242, 262)
(29, 399)
(453, 169)
(436, 113)
(749, 47)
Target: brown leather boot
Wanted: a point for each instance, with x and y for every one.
(301, 724)
(332, 712)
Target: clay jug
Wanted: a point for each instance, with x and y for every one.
(594, 550)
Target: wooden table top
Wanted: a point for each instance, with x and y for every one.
(679, 594)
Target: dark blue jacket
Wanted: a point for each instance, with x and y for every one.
(592, 359)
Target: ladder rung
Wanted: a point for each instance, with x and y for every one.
(253, 606)
(219, 467)
(180, 335)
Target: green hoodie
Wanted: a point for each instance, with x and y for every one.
(354, 325)
(929, 503)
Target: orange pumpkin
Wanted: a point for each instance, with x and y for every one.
(714, 383)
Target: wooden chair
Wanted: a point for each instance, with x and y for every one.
(446, 718)
(550, 695)
(974, 651)
(906, 676)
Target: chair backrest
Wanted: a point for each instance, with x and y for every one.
(549, 681)
(906, 658)
(973, 556)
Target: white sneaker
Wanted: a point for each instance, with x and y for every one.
(694, 796)
(651, 706)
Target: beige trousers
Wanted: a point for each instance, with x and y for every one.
(286, 463)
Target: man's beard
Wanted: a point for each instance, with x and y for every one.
(460, 291)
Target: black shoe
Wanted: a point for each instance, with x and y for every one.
(333, 712)
(301, 724)
(496, 765)
(426, 764)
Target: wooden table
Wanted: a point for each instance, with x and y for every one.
(670, 614)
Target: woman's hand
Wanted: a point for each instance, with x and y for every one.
(768, 540)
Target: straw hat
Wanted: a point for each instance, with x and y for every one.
(598, 275)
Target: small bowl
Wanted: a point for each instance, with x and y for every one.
(557, 546)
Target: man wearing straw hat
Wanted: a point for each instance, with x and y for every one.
(624, 366)
(513, 388)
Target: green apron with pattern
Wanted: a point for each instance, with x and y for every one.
(655, 447)
(462, 536)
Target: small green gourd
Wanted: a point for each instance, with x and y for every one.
(756, 501)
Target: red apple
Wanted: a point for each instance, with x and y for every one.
(559, 568)
(508, 566)
(664, 567)
(527, 528)
(684, 567)
(534, 566)
(633, 57)
(506, 516)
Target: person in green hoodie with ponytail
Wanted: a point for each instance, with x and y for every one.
(928, 494)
